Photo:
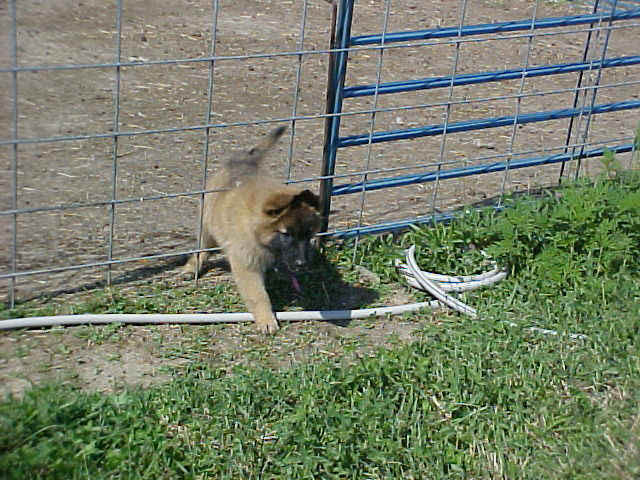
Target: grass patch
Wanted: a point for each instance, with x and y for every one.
(469, 399)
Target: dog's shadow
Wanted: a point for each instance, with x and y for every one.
(321, 288)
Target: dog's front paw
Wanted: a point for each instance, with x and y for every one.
(189, 268)
(186, 273)
(268, 326)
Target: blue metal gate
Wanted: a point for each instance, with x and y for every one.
(603, 18)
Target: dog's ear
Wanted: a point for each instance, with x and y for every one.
(308, 197)
(277, 203)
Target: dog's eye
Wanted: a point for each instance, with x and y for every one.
(274, 212)
(285, 236)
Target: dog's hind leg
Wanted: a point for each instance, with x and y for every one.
(197, 260)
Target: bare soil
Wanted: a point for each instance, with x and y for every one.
(70, 102)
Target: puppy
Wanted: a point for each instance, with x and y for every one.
(257, 221)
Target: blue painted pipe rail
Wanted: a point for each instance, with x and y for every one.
(483, 123)
(493, 28)
(472, 170)
(391, 226)
(475, 78)
(445, 217)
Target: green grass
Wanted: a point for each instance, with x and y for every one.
(469, 399)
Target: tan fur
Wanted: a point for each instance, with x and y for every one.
(255, 221)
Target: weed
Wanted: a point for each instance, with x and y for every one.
(636, 145)
(611, 164)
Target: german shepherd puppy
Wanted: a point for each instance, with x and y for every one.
(257, 221)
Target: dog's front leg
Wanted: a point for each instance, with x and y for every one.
(251, 286)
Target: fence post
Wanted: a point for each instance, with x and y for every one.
(576, 96)
(13, 39)
(595, 86)
(337, 71)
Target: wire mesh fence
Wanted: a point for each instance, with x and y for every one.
(117, 112)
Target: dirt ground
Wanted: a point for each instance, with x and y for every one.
(111, 358)
(76, 102)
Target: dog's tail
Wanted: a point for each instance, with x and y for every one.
(267, 144)
(247, 163)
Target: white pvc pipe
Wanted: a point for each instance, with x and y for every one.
(206, 318)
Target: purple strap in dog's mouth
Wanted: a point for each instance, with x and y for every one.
(295, 284)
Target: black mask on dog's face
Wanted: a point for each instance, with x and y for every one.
(292, 251)
(295, 221)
